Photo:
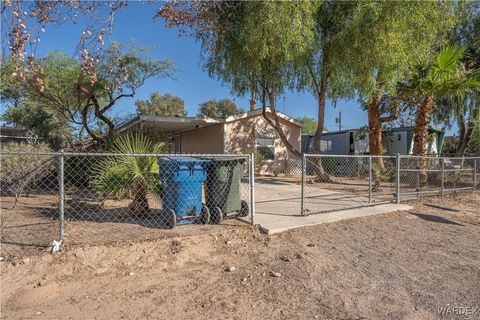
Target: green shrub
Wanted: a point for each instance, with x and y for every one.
(127, 176)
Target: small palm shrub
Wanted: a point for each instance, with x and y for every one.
(129, 176)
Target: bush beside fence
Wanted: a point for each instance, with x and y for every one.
(101, 198)
(78, 198)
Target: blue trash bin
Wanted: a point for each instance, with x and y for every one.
(182, 179)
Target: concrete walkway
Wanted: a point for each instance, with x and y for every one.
(278, 206)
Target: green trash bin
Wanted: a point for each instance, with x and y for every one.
(223, 188)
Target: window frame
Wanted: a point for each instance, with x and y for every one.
(271, 146)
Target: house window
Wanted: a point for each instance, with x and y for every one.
(266, 147)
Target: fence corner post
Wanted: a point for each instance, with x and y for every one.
(370, 179)
(442, 177)
(251, 179)
(302, 200)
(475, 173)
(61, 185)
(397, 180)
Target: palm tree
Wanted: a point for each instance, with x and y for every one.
(445, 76)
(128, 175)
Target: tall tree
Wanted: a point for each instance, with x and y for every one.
(219, 108)
(464, 110)
(21, 111)
(250, 45)
(62, 86)
(162, 105)
(392, 37)
(42, 122)
(445, 76)
(474, 145)
(310, 125)
(23, 22)
(389, 39)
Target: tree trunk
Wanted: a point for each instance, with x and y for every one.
(462, 130)
(252, 101)
(139, 205)
(375, 128)
(278, 126)
(253, 104)
(375, 137)
(317, 141)
(465, 133)
(421, 133)
(422, 121)
(321, 99)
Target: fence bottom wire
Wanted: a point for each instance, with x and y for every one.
(333, 182)
(109, 198)
(105, 198)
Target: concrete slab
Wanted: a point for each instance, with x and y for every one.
(275, 223)
(278, 205)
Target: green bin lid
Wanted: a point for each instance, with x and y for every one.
(225, 159)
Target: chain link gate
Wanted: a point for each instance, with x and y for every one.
(339, 182)
(101, 198)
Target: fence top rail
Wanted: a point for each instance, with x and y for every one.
(403, 156)
(116, 154)
(347, 156)
(439, 157)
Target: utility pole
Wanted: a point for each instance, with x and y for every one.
(339, 120)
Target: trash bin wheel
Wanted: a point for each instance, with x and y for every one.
(216, 216)
(243, 209)
(170, 219)
(204, 216)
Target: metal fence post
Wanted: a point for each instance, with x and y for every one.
(442, 182)
(251, 179)
(370, 179)
(418, 178)
(475, 173)
(302, 200)
(397, 181)
(62, 196)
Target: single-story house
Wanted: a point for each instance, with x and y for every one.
(356, 141)
(9, 134)
(243, 133)
(400, 140)
(343, 142)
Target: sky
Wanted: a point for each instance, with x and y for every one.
(134, 25)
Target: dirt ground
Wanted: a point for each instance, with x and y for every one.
(402, 265)
(29, 227)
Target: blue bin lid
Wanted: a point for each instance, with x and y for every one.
(185, 162)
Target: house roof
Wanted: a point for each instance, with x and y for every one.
(178, 124)
(257, 112)
(430, 128)
(397, 129)
(167, 123)
(9, 131)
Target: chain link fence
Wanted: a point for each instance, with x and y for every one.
(101, 198)
(335, 182)
(339, 182)
(430, 176)
(30, 200)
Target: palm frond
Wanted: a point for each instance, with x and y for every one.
(448, 61)
(120, 175)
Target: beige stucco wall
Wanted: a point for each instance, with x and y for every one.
(240, 137)
(241, 134)
(207, 139)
